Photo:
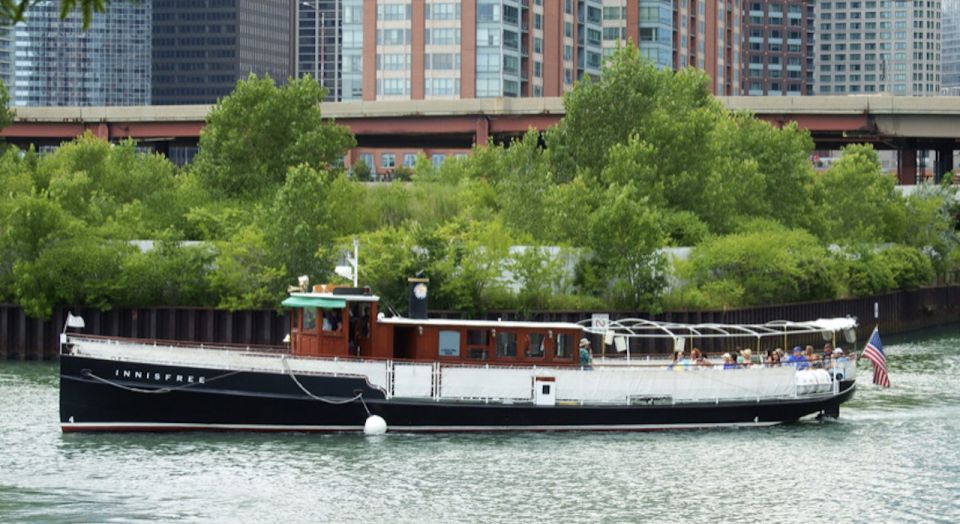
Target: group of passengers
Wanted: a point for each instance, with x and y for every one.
(801, 358)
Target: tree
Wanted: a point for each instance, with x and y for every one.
(629, 94)
(860, 202)
(770, 266)
(259, 131)
(625, 266)
(7, 115)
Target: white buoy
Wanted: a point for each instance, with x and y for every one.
(375, 425)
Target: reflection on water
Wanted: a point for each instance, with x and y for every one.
(892, 456)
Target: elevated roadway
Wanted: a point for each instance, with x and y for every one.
(905, 124)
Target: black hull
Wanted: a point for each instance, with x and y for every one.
(95, 396)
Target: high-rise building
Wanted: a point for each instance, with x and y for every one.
(330, 46)
(951, 47)
(878, 46)
(7, 59)
(675, 34)
(776, 52)
(59, 63)
(202, 47)
(476, 48)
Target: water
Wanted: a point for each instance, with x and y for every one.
(893, 456)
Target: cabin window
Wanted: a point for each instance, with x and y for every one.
(309, 319)
(564, 346)
(536, 347)
(449, 344)
(477, 342)
(331, 319)
(506, 344)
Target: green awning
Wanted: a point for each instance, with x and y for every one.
(329, 303)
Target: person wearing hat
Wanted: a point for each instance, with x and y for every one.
(798, 359)
(586, 354)
(838, 364)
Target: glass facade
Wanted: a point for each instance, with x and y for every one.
(201, 49)
(330, 45)
(951, 47)
(656, 32)
(58, 63)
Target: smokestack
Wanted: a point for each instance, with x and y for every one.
(418, 297)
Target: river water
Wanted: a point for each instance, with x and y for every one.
(893, 456)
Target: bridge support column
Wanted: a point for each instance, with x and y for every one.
(907, 166)
(944, 163)
(482, 133)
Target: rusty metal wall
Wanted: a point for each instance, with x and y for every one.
(24, 338)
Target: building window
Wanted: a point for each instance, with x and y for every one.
(388, 160)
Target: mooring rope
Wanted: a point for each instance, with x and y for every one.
(90, 374)
(358, 396)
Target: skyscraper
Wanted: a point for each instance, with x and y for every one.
(59, 63)
(330, 45)
(202, 47)
(779, 49)
(675, 34)
(475, 48)
(878, 46)
(951, 47)
(7, 59)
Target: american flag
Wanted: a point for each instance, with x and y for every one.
(874, 353)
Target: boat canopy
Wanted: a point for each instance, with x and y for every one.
(642, 328)
(321, 302)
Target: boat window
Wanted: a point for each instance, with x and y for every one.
(564, 346)
(476, 337)
(331, 319)
(477, 344)
(506, 344)
(449, 344)
(536, 347)
(309, 319)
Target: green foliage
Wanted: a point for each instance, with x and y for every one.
(361, 171)
(862, 204)
(77, 270)
(625, 267)
(909, 266)
(764, 267)
(259, 131)
(7, 115)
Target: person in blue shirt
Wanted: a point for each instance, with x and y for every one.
(586, 354)
(798, 359)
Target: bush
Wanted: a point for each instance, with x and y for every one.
(909, 267)
(764, 267)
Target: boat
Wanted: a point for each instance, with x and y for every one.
(348, 367)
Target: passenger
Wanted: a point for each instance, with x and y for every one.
(747, 357)
(586, 354)
(773, 357)
(838, 362)
(728, 362)
(827, 351)
(697, 357)
(679, 361)
(812, 358)
(798, 360)
(779, 353)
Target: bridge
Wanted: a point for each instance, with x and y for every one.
(904, 124)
